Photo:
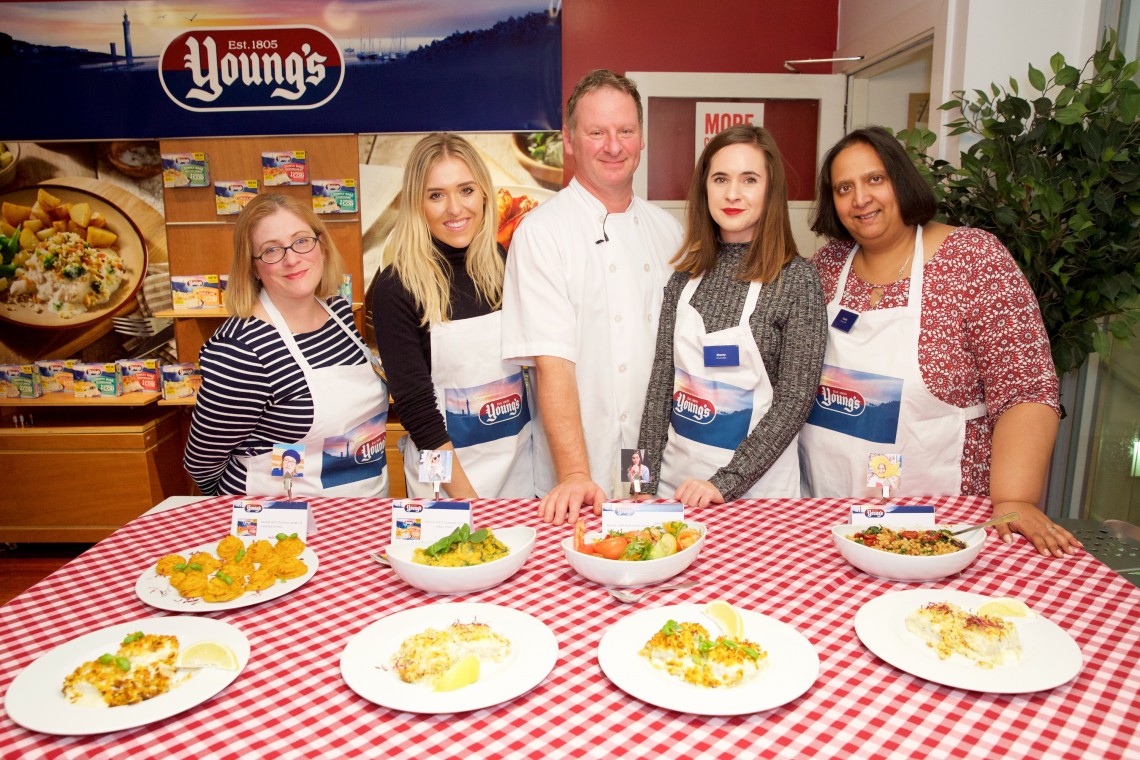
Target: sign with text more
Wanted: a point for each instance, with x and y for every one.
(715, 117)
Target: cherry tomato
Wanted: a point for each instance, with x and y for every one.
(612, 547)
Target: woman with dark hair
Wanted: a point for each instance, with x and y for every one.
(936, 350)
(288, 368)
(741, 337)
(437, 313)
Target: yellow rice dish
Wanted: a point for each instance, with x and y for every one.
(465, 553)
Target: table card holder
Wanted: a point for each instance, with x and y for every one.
(627, 515)
(253, 519)
(428, 521)
(893, 515)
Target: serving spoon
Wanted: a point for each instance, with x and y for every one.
(1007, 517)
(629, 597)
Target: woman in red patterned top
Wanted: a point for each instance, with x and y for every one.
(957, 384)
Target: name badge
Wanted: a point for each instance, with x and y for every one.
(844, 320)
(722, 356)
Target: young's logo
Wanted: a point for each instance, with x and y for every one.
(840, 400)
(876, 513)
(371, 450)
(253, 508)
(252, 69)
(693, 408)
(501, 409)
(413, 507)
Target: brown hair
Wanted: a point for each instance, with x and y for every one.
(600, 79)
(772, 244)
(243, 288)
(916, 201)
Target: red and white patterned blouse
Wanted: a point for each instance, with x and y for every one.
(981, 339)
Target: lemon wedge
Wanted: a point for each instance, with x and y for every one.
(463, 672)
(207, 654)
(727, 617)
(1006, 607)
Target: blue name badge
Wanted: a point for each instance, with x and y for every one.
(722, 356)
(844, 320)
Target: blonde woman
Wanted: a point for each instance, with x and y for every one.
(436, 311)
(289, 367)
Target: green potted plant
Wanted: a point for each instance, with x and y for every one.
(1057, 178)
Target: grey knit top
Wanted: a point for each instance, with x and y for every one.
(790, 327)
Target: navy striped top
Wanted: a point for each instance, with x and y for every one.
(254, 394)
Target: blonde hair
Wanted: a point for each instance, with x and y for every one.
(243, 288)
(416, 261)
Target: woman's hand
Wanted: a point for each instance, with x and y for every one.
(698, 494)
(1051, 540)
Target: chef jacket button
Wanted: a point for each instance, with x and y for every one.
(624, 416)
(646, 267)
(617, 318)
(613, 267)
(621, 368)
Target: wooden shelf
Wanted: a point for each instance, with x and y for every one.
(188, 401)
(144, 398)
(219, 313)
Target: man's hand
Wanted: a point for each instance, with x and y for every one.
(565, 500)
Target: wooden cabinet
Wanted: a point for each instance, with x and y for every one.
(78, 478)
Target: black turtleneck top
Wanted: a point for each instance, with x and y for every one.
(405, 345)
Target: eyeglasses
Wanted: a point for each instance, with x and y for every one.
(275, 253)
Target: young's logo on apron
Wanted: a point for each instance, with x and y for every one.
(486, 412)
(501, 410)
(710, 412)
(357, 455)
(860, 404)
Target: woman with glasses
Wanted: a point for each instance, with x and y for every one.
(436, 311)
(289, 371)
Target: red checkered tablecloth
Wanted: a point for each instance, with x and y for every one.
(774, 557)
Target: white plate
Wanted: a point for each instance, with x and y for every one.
(1049, 656)
(155, 589)
(36, 702)
(365, 661)
(792, 668)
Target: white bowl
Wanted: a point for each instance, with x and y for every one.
(900, 567)
(8, 173)
(612, 572)
(462, 580)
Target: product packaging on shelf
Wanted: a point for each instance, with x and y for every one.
(139, 375)
(334, 196)
(97, 380)
(185, 170)
(284, 167)
(20, 381)
(180, 380)
(195, 291)
(56, 375)
(231, 196)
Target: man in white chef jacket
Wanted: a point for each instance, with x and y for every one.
(581, 300)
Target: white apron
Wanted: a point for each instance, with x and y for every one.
(486, 408)
(344, 449)
(715, 408)
(872, 400)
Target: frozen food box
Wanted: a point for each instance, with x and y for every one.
(20, 381)
(139, 375)
(97, 380)
(180, 380)
(55, 375)
(223, 283)
(185, 170)
(231, 196)
(334, 196)
(284, 167)
(195, 291)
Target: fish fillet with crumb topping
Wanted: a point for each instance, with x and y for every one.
(427, 655)
(948, 629)
(686, 650)
(150, 659)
